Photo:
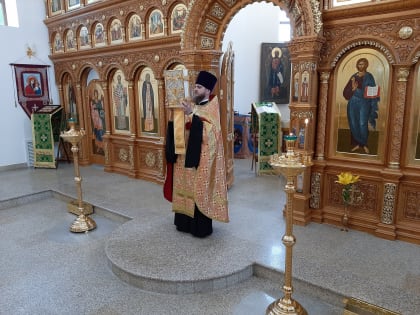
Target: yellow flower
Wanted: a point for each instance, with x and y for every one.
(347, 178)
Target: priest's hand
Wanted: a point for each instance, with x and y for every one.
(187, 107)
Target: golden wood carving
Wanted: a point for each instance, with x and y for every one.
(106, 149)
(384, 36)
(305, 16)
(301, 115)
(398, 118)
(314, 202)
(369, 205)
(411, 207)
(322, 117)
(310, 45)
(217, 11)
(211, 27)
(123, 154)
(405, 32)
(402, 74)
(131, 156)
(150, 159)
(389, 203)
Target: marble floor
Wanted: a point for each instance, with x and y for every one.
(135, 262)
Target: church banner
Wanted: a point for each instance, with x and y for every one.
(31, 87)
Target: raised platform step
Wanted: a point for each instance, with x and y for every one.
(164, 260)
(354, 306)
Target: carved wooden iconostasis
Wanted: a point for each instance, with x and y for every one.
(122, 48)
(109, 60)
(383, 156)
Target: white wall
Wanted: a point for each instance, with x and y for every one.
(15, 126)
(254, 24)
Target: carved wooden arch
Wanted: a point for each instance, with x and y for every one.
(109, 70)
(136, 69)
(147, 21)
(362, 43)
(127, 26)
(63, 74)
(77, 35)
(64, 38)
(167, 65)
(207, 21)
(415, 57)
(92, 31)
(109, 22)
(85, 68)
(52, 37)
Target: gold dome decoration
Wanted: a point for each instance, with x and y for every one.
(405, 32)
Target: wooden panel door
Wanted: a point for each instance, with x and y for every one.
(227, 112)
(95, 122)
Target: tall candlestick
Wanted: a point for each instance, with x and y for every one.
(83, 223)
(289, 165)
(305, 143)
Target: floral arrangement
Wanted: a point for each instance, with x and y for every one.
(347, 179)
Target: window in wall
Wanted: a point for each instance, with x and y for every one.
(284, 27)
(8, 13)
(3, 18)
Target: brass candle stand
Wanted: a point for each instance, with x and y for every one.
(289, 165)
(83, 223)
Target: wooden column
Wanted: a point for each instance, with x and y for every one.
(304, 52)
(163, 116)
(391, 174)
(322, 116)
(397, 113)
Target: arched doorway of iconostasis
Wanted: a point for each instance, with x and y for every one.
(95, 111)
(262, 71)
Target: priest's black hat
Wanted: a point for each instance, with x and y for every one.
(206, 79)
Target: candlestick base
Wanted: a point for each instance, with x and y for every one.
(82, 224)
(285, 307)
(73, 207)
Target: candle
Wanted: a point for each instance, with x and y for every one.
(290, 137)
(290, 143)
(305, 143)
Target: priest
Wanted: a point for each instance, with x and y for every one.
(196, 181)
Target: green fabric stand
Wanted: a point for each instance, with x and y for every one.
(45, 134)
(266, 127)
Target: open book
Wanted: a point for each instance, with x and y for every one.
(372, 91)
(177, 87)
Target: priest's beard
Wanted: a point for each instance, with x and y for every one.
(198, 98)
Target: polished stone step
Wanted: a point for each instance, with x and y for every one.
(354, 306)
